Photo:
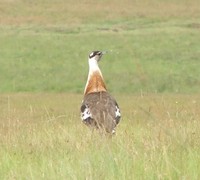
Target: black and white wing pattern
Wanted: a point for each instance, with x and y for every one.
(117, 113)
(100, 110)
(86, 115)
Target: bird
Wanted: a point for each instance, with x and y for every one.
(99, 109)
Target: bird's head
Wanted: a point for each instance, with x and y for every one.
(96, 55)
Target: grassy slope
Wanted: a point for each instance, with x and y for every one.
(44, 46)
(155, 48)
(42, 137)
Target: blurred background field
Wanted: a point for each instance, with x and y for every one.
(154, 45)
(152, 69)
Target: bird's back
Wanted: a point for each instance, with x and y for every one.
(100, 109)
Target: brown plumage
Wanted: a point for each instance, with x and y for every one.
(95, 83)
(99, 109)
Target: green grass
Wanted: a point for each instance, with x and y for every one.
(42, 137)
(44, 46)
(153, 61)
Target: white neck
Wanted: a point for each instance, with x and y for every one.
(93, 67)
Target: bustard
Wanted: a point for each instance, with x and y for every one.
(99, 109)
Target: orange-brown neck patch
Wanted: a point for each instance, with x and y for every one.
(95, 83)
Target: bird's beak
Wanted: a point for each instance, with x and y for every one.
(104, 52)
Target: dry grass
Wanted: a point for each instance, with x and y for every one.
(21, 12)
(42, 137)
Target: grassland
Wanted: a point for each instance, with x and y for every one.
(152, 70)
(155, 45)
(42, 137)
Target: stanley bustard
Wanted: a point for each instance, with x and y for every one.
(99, 109)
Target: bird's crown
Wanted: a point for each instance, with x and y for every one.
(95, 53)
